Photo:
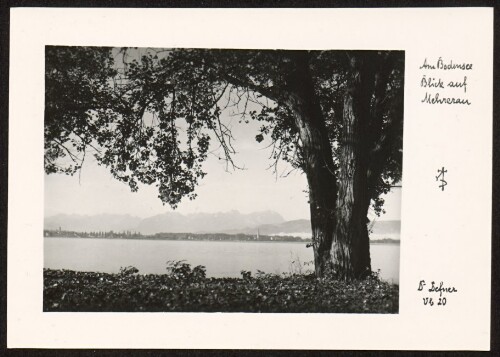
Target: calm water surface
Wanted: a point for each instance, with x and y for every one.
(220, 258)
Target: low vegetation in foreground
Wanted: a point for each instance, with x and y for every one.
(186, 289)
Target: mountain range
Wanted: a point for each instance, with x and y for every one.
(232, 222)
(172, 222)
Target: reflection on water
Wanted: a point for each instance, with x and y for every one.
(220, 258)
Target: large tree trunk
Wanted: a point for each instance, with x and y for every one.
(350, 250)
(317, 158)
(339, 194)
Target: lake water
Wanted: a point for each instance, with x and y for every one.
(220, 258)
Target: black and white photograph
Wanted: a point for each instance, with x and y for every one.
(219, 180)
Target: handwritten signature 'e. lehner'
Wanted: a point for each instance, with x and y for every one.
(441, 289)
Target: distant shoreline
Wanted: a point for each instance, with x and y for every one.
(377, 241)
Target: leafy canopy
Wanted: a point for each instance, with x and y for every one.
(151, 115)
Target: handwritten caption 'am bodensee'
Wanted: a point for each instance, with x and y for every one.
(445, 81)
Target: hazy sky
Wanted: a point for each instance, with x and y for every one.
(249, 190)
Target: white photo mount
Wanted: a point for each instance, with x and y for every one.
(446, 233)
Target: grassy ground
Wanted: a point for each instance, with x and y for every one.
(184, 289)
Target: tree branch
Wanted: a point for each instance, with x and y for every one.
(265, 91)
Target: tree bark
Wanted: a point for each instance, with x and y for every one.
(318, 159)
(350, 251)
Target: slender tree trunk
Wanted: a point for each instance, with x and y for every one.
(318, 160)
(350, 250)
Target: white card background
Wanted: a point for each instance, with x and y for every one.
(446, 235)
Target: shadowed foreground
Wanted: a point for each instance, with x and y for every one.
(188, 290)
